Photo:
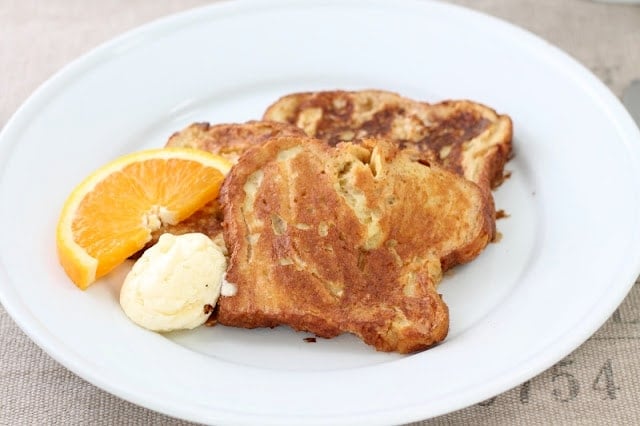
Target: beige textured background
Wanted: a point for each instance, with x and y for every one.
(599, 383)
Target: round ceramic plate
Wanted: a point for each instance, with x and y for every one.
(566, 260)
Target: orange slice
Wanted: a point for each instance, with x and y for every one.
(112, 213)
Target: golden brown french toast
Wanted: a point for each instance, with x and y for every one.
(351, 238)
(466, 137)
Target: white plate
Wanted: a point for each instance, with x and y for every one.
(567, 259)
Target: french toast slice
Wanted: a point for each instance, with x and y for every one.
(229, 141)
(352, 238)
(464, 136)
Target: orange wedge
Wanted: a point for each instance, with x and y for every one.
(112, 213)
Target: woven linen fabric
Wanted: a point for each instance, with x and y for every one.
(599, 383)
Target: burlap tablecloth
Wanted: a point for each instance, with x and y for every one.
(599, 383)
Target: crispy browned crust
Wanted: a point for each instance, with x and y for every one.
(351, 238)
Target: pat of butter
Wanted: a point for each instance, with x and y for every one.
(175, 284)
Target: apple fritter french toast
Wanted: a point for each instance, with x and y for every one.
(352, 238)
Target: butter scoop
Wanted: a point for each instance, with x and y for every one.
(175, 284)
